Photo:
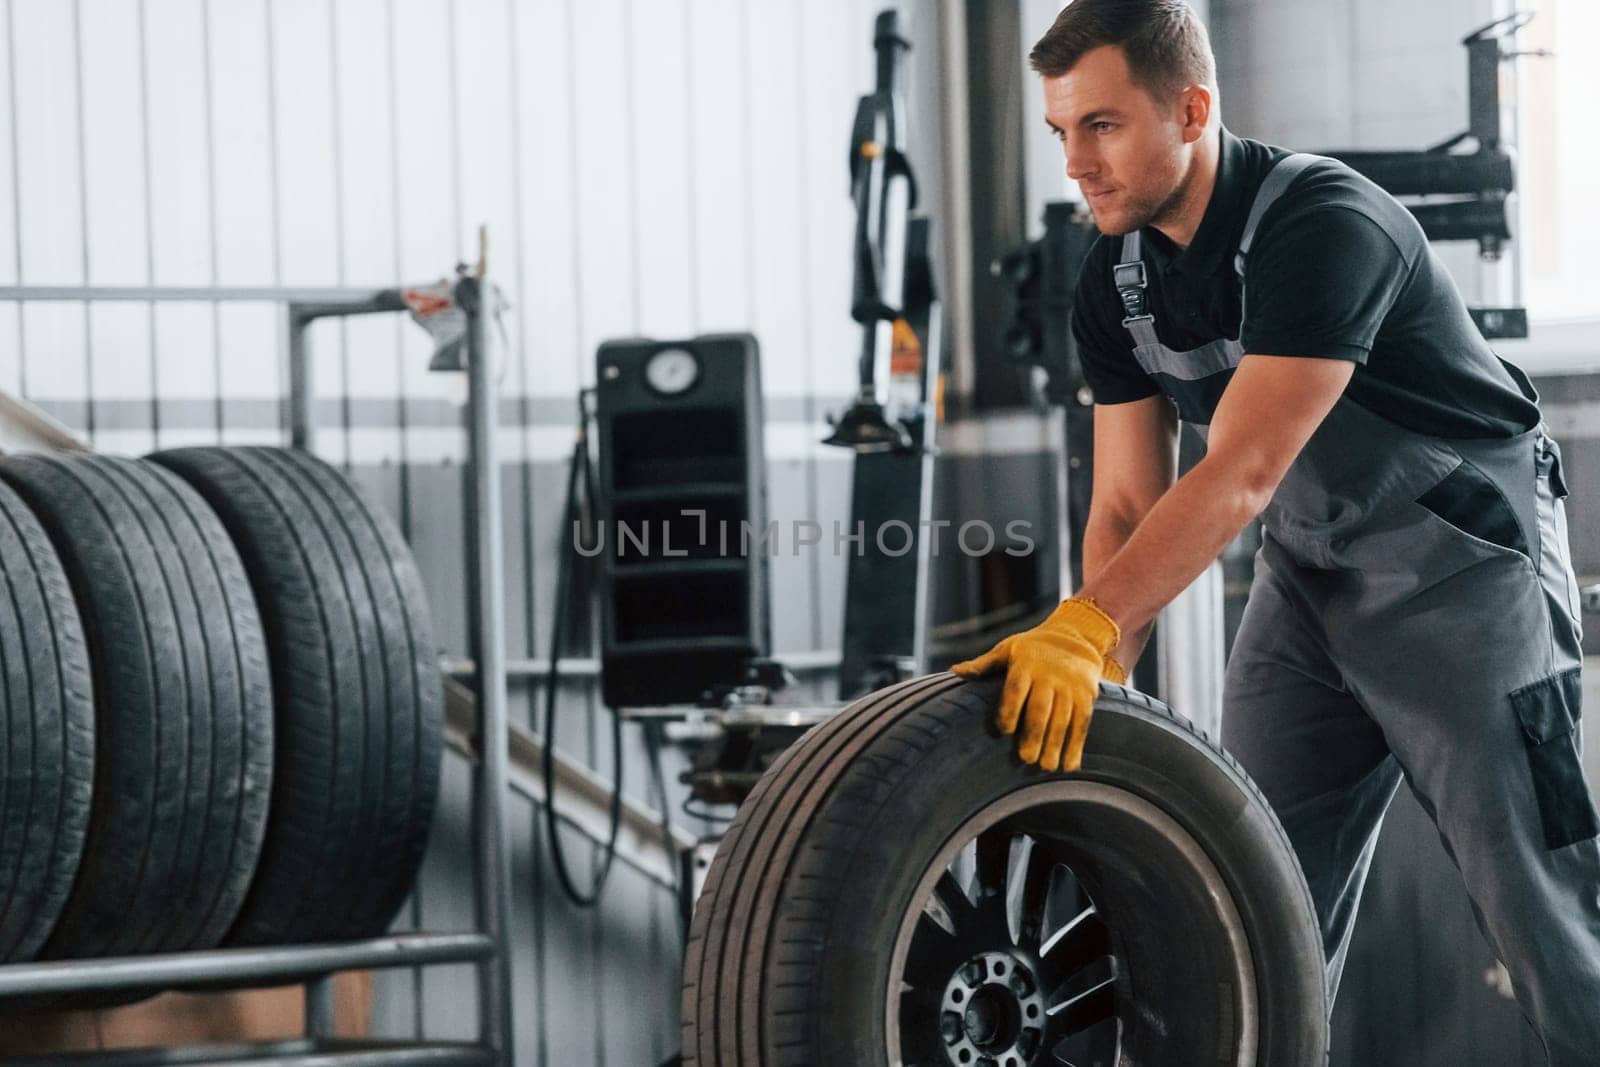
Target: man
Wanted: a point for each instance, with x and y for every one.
(1413, 612)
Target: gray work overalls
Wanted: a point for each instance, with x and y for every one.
(1382, 640)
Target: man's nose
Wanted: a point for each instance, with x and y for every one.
(1081, 163)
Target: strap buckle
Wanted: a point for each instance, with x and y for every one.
(1131, 281)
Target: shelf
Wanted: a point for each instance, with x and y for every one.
(239, 964)
(332, 1052)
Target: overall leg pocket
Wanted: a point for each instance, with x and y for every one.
(1548, 712)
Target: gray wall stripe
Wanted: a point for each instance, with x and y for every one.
(365, 412)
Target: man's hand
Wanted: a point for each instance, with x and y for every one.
(1053, 674)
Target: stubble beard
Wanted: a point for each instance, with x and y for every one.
(1145, 211)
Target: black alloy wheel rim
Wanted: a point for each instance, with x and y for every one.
(1017, 955)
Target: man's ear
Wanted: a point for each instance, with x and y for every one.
(1194, 112)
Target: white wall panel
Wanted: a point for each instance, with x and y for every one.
(608, 258)
(10, 205)
(11, 378)
(655, 68)
(364, 130)
(242, 135)
(114, 155)
(775, 112)
(184, 345)
(308, 153)
(52, 339)
(124, 386)
(834, 79)
(725, 250)
(179, 144)
(483, 102)
(54, 355)
(49, 168)
(547, 311)
(429, 196)
(364, 134)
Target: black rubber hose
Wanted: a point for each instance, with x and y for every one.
(578, 474)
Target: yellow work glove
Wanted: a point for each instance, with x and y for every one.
(1053, 674)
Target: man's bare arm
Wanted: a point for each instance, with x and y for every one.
(1269, 410)
(1135, 447)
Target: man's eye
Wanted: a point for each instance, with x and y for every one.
(1102, 127)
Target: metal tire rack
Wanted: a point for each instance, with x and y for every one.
(488, 946)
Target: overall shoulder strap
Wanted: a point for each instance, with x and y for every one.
(1129, 277)
(1274, 185)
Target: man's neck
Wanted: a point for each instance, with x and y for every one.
(1188, 206)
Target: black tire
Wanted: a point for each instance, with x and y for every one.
(46, 734)
(358, 689)
(1198, 916)
(183, 708)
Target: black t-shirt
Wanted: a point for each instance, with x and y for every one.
(1338, 270)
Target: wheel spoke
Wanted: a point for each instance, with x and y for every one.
(933, 954)
(1076, 944)
(1095, 1047)
(1029, 888)
(951, 900)
(1090, 1006)
(991, 863)
(919, 1027)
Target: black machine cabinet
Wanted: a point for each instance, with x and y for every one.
(682, 509)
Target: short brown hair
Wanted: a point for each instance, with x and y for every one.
(1164, 40)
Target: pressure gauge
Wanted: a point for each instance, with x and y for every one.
(672, 371)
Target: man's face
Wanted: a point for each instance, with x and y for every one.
(1127, 152)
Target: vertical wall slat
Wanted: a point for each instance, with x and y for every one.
(208, 97)
(336, 145)
(449, 1001)
(724, 283)
(548, 313)
(12, 373)
(181, 241)
(433, 439)
(51, 170)
(658, 120)
(115, 240)
(604, 185)
(50, 226)
(83, 216)
(242, 134)
(368, 239)
(304, 101)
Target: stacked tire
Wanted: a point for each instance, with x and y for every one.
(360, 701)
(47, 729)
(221, 708)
